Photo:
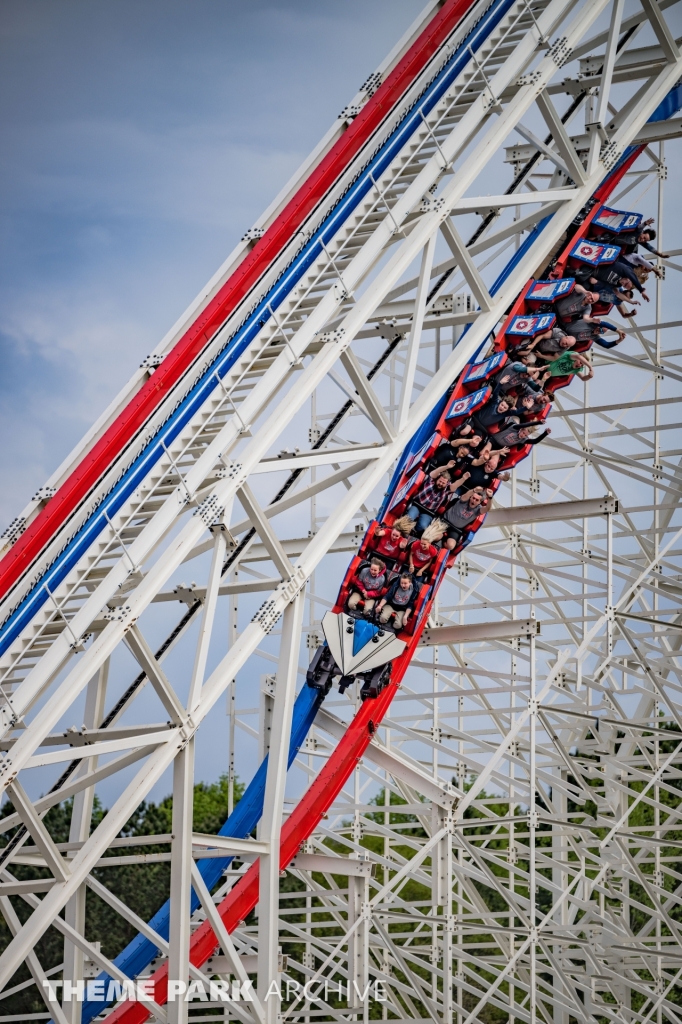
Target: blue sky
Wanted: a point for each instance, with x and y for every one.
(140, 138)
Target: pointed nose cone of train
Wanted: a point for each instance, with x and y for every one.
(357, 645)
(362, 634)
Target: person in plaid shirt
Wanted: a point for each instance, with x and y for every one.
(431, 495)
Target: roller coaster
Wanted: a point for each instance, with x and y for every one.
(194, 431)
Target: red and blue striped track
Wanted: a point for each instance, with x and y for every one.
(77, 546)
(112, 445)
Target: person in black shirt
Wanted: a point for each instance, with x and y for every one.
(518, 434)
(445, 455)
(629, 241)
(453, 451)
(474, 460)
(468, 432)
(618, 274)
(481, 478)
(496, 411)
(646, 237)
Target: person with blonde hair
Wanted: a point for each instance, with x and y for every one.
(422, 551)
(390, 542)
(404, 524)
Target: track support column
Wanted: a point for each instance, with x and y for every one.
(79, 830)
(358, 897)
(181, 884)
(285, 690)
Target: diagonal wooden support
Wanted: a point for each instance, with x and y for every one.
(561, 138)
(351, 393)
(663, 33)
(144, 656)
(41, 836)
(33, 963)
(223, 936)
(467, 265)
(270, 539)
(597, 126)
(208, 614)
(542, 147)
(609, 62)
(367, 394)
(126, 913)
(423, 285)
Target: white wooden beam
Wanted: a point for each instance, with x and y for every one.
(270, 539)
(660, 27)
(561, 138)
(467, 266)
(410, 369)
(41, 837)
(144, 656)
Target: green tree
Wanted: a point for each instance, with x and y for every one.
(142, 887)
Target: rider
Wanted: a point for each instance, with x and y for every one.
(461, 513)
(399, 601)
(367, 584)
(449, 452)
(422, 552)
(518, 434)
(430, 496)
(483, 477)
(392, 540)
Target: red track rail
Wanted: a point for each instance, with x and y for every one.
(333, 776)
(116, 438)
